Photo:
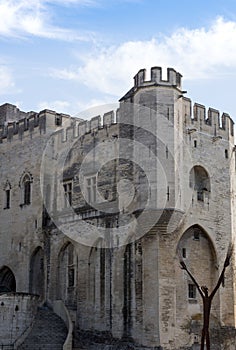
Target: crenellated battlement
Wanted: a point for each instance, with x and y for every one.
(173, 78)
(91, 127)
(207, 120)
(50, 121)
(18, 125)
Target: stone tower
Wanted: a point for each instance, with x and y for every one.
(97, 213)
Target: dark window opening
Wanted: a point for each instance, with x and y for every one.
(167, 152)
(168, 193)
(184, 252)
(68, 194)
(196, 235)
(192, 291)
(200, 196)
(91, 189)
(71, 268)
(195, 143)
(200, 182)
(168, 113)
(58, 121)
(71, 277)
(7, 280)
(226, 154)
(27, 189)
(7, 203)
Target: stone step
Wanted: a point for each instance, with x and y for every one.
(48, 333)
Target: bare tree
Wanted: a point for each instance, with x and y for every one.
(207, 298)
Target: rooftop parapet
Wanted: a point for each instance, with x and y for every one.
(69, 128)
(13, 128)
(207, 120)
(173, 78)
(11, 113)
(92, 127)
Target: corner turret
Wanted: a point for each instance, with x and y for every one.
(173, 78)
(173, 81)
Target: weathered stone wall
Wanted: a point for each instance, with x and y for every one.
(120, 275)
(17, 313)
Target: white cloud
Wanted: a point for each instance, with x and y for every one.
(6, 80)
(196, 53)
(20, 18)
(57, 105)
(95, 107)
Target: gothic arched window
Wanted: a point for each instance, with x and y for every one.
(200, 182)
(7, 200)
(26, 189)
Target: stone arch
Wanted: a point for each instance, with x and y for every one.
(7, 280)
(197, 250)
(199, 180)
(67, 274)
(36, 273)
(25, 184)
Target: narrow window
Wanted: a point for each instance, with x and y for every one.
(200, 196)
(7, 198)
(71, 277)
(192, 291)
(68, 194)
(58, 120)
(26, 189)
(195, 143)
(184, 252)
(71, 267)
(196, 235)
(168, 193)
(91, 184)
(226, 154)
(168, 113)
(167, 152)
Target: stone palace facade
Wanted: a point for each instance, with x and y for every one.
(97, 213)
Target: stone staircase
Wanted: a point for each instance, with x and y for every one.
(48, 333)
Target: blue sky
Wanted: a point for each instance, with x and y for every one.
(71, 55)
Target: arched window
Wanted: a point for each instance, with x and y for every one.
(25, 185)
(7, 280)
(199, 180)
(67, 280)
(7, 200)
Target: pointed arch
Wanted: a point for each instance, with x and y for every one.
(36, 272)
(199, 180)
(25, 184)
(196, 231)
(7, 280)
(196, 249)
